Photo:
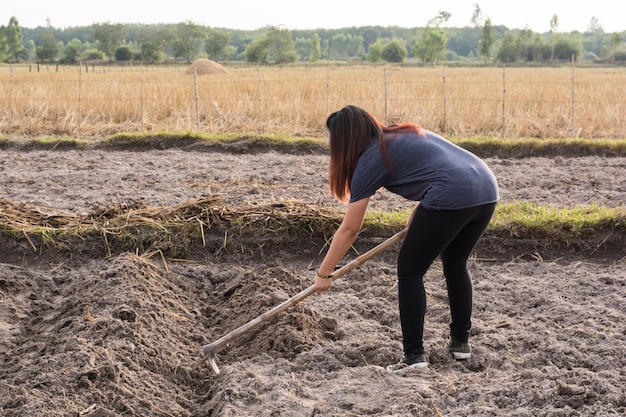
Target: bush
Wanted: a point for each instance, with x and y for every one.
(452, 56)
(619, 56)
(123, 53)
(394, 51)
(93, 56)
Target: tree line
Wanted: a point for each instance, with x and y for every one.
(480, 41)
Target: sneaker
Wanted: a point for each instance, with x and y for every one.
(413, 361)
(460, 350)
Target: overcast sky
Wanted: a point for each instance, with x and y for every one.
(316, 14)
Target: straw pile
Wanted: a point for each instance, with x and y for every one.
(209, 212)
(203, 66)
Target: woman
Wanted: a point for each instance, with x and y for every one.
(456, 196)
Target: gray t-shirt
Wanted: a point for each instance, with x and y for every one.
(430, 169)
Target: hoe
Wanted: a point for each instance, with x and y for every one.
(213, 348)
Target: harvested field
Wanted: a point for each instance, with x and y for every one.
(91, 328)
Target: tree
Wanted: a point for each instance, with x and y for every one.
(257, 51)
(280, 46)
(477, 16)
(394, 51)
(593, 39)
(440, 19)
(344, 46)
(614, 43)
(510, 49)
(187, 34)
(72, 51)
(325, 48)
(49, 48)
(274, 47)
(108, 37)
(554, 34)
(431, 45)
(566, 47)
(3, 45)
(369, 37)
(595, 26)
(375, 51)
(216, 44)
(525, 37)
(486, 40)
(152, 41)
(538, 49)
(303, 48)
(13, 40)
(463, 42)
(29, 49)
(316, 51)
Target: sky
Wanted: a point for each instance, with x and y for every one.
(315, 14)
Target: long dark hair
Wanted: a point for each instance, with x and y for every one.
(350, 130)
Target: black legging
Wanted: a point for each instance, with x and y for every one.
(451, 234)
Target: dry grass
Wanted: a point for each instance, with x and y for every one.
(205, 213)
(465, 102)
(139, 228)
(172, 229)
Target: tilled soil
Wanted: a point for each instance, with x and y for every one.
(123, 334)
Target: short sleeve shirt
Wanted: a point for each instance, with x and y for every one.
(429, 169)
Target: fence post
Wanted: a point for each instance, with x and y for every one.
(10, 95)
(258, 72)
(143, 99)
(445, 102)
(328, 87)
(504, 101)
(386, 98)
(573, 120)
(195, 86)
(80, 86)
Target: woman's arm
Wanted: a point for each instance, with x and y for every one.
(342, 240)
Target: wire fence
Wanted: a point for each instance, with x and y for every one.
(81, 100)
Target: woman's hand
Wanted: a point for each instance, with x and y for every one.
(322, 284)
(342, 240)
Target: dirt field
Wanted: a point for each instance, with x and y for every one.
(85, 333)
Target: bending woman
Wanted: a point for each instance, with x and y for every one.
(455, 194)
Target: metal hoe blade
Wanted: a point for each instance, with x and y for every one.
(212, 359)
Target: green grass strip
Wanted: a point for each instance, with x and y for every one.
(528, 219)
(481, 146)
(526, 147)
